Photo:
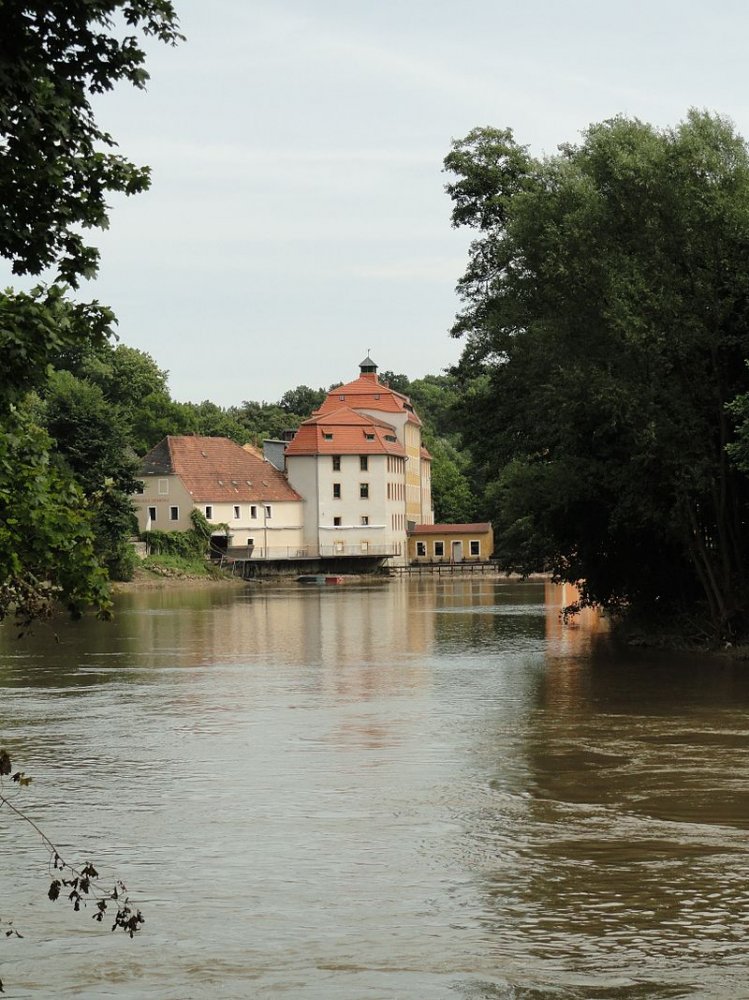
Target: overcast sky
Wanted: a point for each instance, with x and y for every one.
(297, 217)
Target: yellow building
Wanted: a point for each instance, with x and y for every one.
(450, 543)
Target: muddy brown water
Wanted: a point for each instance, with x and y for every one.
(417, 789)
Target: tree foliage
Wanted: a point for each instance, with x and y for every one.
(606, 316)
(57, 169)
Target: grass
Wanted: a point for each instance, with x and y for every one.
(182, 566)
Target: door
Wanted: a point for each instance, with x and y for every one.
(457, 552)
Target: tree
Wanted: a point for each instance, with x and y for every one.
(91, 437)
(57, 169)
(302, 401)
(606, 317)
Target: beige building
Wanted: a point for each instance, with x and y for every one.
(249, 502)
(361, 467)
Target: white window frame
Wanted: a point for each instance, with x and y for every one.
(421, 549)
(163, 487)
(268, 511)
(152, 512)
(477, 543)
(174, 513)
(237, 512)
(253, 511)
(441, 553)
(209, 512)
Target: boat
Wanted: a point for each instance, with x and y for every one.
(319, 579)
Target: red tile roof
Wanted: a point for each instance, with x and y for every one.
(344, 432)
(451, 529)
(368, 393)
(215, 469)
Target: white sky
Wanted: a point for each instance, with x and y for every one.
(297, 216)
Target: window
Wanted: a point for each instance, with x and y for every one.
(327, 435)
(236, 511)
(342, 398)
(364, 462)
(253, 510)
(336, 463)
(336, 522)
(475, 547)
(368, 436)
(336, 491)
(364, 491)
(268, 511)
(364, 519)
(391, 437)
(174, 513)
(250, 542)
(439, 549)
(208, 511)
(151, 513)
(163, 487)
(421, 548)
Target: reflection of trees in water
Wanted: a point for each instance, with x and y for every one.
(625, 847)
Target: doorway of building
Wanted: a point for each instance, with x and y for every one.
(457, 552)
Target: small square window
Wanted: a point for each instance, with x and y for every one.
(151, 513)
(336, 522)
(250, 542)
(439, 549)
(208, 511)
(364, 490)
(327, 435)
(253, 510)
(336, 463)
(236, 511)
(174, 513)
(336, 491)
(368, 436)
(363, 462)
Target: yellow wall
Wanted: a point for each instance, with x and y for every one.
(458, 552)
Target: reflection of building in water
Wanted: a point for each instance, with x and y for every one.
(374, 629)
(573, 634)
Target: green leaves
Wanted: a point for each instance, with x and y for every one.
(606, 310)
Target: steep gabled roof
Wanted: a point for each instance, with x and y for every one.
(343, 431)
(368, 393)
(216, 470)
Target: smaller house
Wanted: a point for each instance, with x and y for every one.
(233, 487)
(450, 543)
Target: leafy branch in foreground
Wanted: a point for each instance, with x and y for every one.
(81, 885)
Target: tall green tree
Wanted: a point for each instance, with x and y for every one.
(57, 169)
(606, 317)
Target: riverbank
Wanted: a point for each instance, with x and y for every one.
(158, 577)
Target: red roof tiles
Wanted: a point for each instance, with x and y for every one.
(344, 432)
(215, 469)
(451, 529)
(368, 393)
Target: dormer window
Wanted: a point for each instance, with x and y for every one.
(327, 435)
(368, 436)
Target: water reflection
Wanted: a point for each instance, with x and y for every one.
(425, 789)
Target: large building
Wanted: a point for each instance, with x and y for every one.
(352, 481)
(250, 503)
(361, 467)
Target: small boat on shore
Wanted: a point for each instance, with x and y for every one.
(320, 579)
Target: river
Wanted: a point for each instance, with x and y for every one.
(426, 789)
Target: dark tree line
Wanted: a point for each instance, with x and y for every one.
(604, 384)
